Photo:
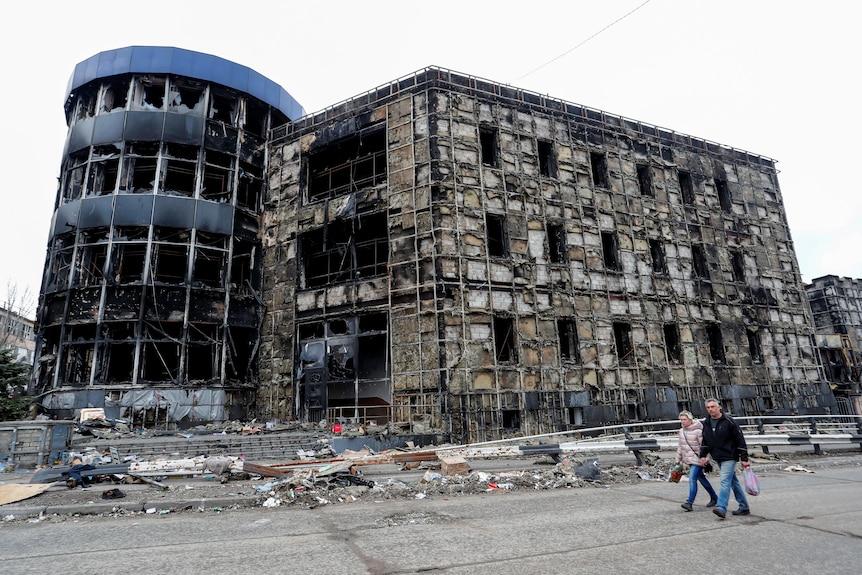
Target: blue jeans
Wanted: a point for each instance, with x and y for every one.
(696, 474)
(729, 482)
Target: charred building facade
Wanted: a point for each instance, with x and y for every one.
(150, 304)
(836, 304)
(446, 253)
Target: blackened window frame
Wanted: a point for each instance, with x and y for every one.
(497, 236)
(644, 175)
(623, 342)
(505, 340)
(599, 169)
(567, 330)
(347, 165)
(345, 250)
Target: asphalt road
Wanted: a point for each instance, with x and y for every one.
(801, 523)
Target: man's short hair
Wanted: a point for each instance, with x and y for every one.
(712, 400)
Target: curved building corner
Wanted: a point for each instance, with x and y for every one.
(150, 302)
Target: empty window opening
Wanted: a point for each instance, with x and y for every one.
(724, 199)
(349, 165)
(314, 330)
(180, 167)
(148, 93)
(374, 322)
(599, 165)
(79, 363)
(716, 342)
(203, 352)
(249, 186)
(104, 171)
(495, 228)
(139, 172)
(92, 261)
(242, 266)
(241, 352)
(76, 168)
(256, 117)
(686, 187)
(170, 262)
(511, 419)
(556, 243)
(644, 179)
(488, 145)
(656, 252)
(737, 266)
(344, 250)
(547, 159)
(339, 326)
(609, 251)
(754, 348)
(114, 95)
(186, 96)
(208, 267)
(671, 342)
(61, 259)
(568, 333)
(218, 169)
(119, 361)
(223, 108)
(698, 261)
(160, 360)
(372, 356)
(85, 106)
(129, 265)
(504, 339)
(623, 341)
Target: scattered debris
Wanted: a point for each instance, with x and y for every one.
(797, 468)
(113, 494)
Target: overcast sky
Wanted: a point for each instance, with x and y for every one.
(778, 78)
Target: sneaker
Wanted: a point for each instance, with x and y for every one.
(742, 512)
(686, 506)
(719, 511)
(712, 502)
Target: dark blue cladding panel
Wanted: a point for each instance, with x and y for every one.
(169, 60)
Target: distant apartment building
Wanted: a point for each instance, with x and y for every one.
(17, 335)
(442, 253)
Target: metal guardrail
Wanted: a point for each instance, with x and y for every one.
(763, 431)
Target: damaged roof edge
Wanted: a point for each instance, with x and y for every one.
(169, 60)
(439, 76)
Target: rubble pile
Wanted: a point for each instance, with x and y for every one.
(308, 490)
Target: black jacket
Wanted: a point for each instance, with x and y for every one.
(726, 442)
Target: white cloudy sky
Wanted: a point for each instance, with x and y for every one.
(777, 78)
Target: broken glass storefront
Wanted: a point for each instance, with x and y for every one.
(343, 369)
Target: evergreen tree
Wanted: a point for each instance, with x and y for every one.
(13, 380)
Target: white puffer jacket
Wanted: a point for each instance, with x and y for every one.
(690, 439)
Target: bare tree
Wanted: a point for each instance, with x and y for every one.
(18, 305)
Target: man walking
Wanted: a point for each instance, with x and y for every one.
(723, 439)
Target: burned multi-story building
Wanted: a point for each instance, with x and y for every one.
(459, 255)
(836, 305)
(150, 304)
(443, 253)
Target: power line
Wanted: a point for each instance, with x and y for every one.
(573, 48)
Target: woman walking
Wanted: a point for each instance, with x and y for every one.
(688, 451)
